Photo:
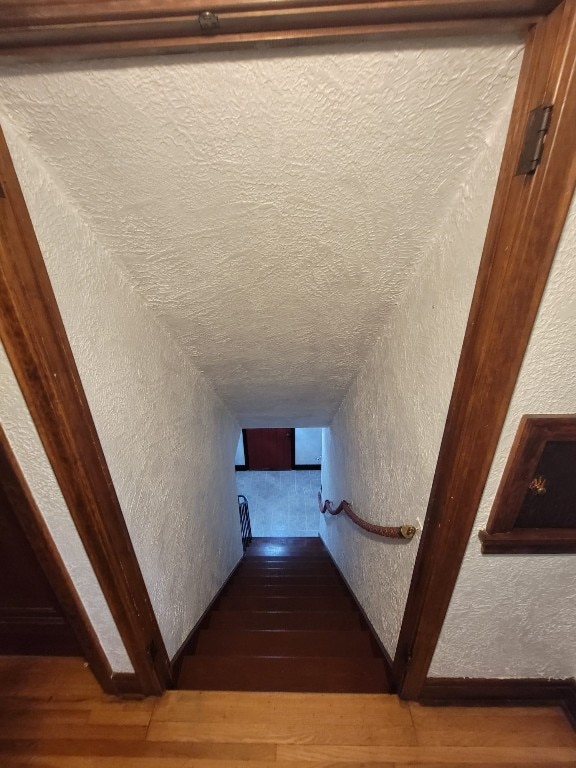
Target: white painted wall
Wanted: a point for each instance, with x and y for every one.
(308, 445)
(282, 503)
(381, 449)
(240, 459)
(168, 439)
(271, 207)
(29, 451)
(515, 615)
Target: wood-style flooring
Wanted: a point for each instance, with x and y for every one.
(53, 714)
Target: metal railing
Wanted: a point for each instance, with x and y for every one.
(245, 526)
(388, 531)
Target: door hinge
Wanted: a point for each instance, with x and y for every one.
(536, 130)
(209, 22)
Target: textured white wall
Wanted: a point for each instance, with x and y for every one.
(29, 451)
(271, 207)
(240, 459)
(381, 449)
(515, 615)
(308, 446)
(168, 439)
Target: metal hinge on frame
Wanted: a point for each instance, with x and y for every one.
(209, 22)
(536, 130)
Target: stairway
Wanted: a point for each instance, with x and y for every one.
(285, 622)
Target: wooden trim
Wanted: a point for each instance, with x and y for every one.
(127, 685)
(569, 703)
(501, 536)
(525, 692)
(40, 354)
(529, 443)
(36, 531)
(58, 29)
(190, 641)
(529, 541)
(315, 467)
(527, 218)
(376, 639)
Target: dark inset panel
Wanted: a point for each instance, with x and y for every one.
(269, 448)
(550, 501)
(535, 508)
(31, 619)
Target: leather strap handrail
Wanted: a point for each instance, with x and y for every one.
(388, 531)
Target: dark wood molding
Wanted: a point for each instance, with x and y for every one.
(529, 541)
(127, 685)
(39, 352)
(66, 29)
(527, 218)
(529, 442)
(190, 641)
(375, 638)
(16, 491)
(315, 467)
(502, 536)
(477, 692)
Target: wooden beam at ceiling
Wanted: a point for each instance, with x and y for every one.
(58, 29)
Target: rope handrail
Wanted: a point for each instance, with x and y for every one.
(388, 531)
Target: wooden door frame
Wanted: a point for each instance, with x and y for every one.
(37, 346)
(25, 510)
(526, 222)
(46, 30)
(525, 226)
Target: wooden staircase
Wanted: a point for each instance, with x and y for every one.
(285, 622)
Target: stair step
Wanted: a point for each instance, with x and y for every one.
(343, 643)
(305, 674)
(292, 562)
(286, 554)
(296, 566)
(340, 602)
(285, 580)
(307, 589)
(281, 547)
(289, 620)
(285, 622)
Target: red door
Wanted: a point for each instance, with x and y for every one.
(269, 448)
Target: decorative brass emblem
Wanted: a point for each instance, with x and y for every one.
(538, 486)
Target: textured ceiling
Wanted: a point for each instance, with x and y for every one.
(271, 208)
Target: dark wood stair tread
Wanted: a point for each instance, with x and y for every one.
(301, 620)
(262, 673)
(340, 602)
(284, 579)
(309, 589)
(286, 621)
(343, 643)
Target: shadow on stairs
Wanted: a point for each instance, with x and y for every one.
(285, 622)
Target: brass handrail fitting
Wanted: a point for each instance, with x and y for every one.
(387, 531)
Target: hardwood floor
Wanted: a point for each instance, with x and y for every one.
(52, 714)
